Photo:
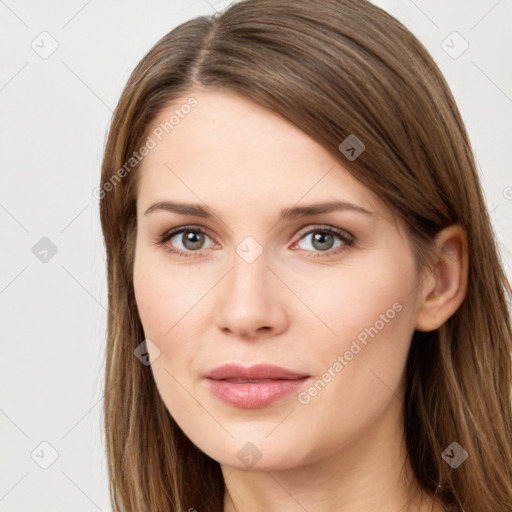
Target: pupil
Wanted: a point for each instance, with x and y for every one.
(320, 238)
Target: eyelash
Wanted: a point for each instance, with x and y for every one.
(347, 239)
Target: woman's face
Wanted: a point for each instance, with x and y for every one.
(254, 275)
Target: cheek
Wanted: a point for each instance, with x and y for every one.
(367, 313)
(163, 301)
(169, 302)
(359, 371)
(164, 295)
(356, 301)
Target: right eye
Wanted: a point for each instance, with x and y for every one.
(188, 240)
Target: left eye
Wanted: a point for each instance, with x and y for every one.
(323, 240)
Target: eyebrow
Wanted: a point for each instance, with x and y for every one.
(294, 212)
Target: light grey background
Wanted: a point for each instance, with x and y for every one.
(54, 116)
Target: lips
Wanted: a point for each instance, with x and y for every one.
(255, 386)
(259, 372)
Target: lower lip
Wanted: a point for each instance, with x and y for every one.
(253, 395)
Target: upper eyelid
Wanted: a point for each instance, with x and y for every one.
(326, 227)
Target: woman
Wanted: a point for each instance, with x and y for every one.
(307, 309)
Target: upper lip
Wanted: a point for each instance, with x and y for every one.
(259, 371)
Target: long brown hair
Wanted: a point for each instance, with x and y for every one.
(334, 68)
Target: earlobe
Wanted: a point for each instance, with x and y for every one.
(444, 288)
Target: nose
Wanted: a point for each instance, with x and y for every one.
(251, 300)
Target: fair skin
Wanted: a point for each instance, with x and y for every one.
(300, 304)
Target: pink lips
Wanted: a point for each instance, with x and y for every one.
(253, 387)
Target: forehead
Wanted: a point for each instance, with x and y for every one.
(228, 149)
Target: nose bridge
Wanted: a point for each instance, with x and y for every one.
(248, 279)
(249, 299)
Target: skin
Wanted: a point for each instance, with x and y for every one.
(344, 449)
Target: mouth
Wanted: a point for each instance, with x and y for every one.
(255, 386)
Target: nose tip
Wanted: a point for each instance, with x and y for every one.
(248, 301)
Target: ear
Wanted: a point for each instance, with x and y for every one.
(444, 287)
